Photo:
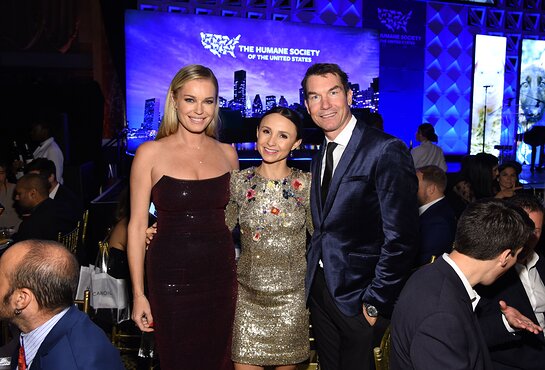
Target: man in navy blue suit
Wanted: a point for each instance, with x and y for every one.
(38, 281)
(437, 218)
(433, 324)
(365, 216)
(523, 288)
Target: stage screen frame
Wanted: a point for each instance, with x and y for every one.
(532, 55)
(488, 90)
(158, 44)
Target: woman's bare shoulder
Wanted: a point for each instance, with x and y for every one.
(230, 153)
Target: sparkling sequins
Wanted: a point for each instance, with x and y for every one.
(271, 320)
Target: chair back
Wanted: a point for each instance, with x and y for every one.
(85, 303)
(382, 353)
(84, 220)
(71, 239)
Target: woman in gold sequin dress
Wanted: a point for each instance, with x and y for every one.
(271, 205)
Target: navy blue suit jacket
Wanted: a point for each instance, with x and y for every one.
(75, 343)
(45, 221)
(522, 350)
(434, 326)
(367, 232)
(69, 205)
(437, 229)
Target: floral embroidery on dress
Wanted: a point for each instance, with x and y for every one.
(250, 194)
(261, 191)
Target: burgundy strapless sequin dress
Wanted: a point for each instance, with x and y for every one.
(191, 274)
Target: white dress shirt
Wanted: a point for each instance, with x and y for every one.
(473, 296)
(34, 339)
(50, 150)
(533, 285)
(425, 207)
(427, 153)
(342, 140)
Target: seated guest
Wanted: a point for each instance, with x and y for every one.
(523, 288)
(437, 219)
(68, 202)
(475, 181)
(507, 182)
(41, 216)
(38, 281)
(433, 324)
(427, 153)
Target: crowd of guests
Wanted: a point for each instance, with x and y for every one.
(341, 243)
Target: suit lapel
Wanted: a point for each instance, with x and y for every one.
(342, 167)
(315, 195)
(463, 296)
(54, 335)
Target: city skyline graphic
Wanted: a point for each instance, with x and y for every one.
(257, 64)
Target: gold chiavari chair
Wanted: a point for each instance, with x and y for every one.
(71, 239)
(382, 353)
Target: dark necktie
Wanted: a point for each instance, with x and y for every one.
(21, 361)
(328, 170)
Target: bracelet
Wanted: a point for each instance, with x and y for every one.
(139, 295)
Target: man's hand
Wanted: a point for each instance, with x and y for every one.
(517, 320)
(371, 320)
(150, 233)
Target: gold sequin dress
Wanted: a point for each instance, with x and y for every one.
(271, 319)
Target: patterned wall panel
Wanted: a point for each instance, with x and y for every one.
(447, 78)
(514, 19)
(448, 55)
(329, 12)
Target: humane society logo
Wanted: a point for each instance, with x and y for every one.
(219, 44)
(224, 45)
(394, 20)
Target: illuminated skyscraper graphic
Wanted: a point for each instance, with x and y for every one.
(257, 107)
(283, 102)
(302, 96)
(270, 102)
(239, 87)
(248, 108)
(151, 114)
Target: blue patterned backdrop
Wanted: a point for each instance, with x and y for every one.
(448, 50)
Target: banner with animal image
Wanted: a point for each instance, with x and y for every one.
(487, 99)
(531, 123)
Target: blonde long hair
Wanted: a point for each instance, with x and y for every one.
(169, 123)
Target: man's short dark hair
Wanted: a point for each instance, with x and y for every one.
(43, 166)
(50, 271)
(435, 175)
(321, 69)
(528, 202)
(35, 181)
(491, 226)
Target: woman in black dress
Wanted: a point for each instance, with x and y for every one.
(190, 265)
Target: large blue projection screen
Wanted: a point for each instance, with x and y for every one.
(488, 77)
(531, 99)
(258, 63)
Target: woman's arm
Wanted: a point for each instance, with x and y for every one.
(140, 184)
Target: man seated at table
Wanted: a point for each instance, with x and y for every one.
(42, 218)
(524, 289)
(69, 204)
(433, 324)
(437, 218)
(38, 281)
